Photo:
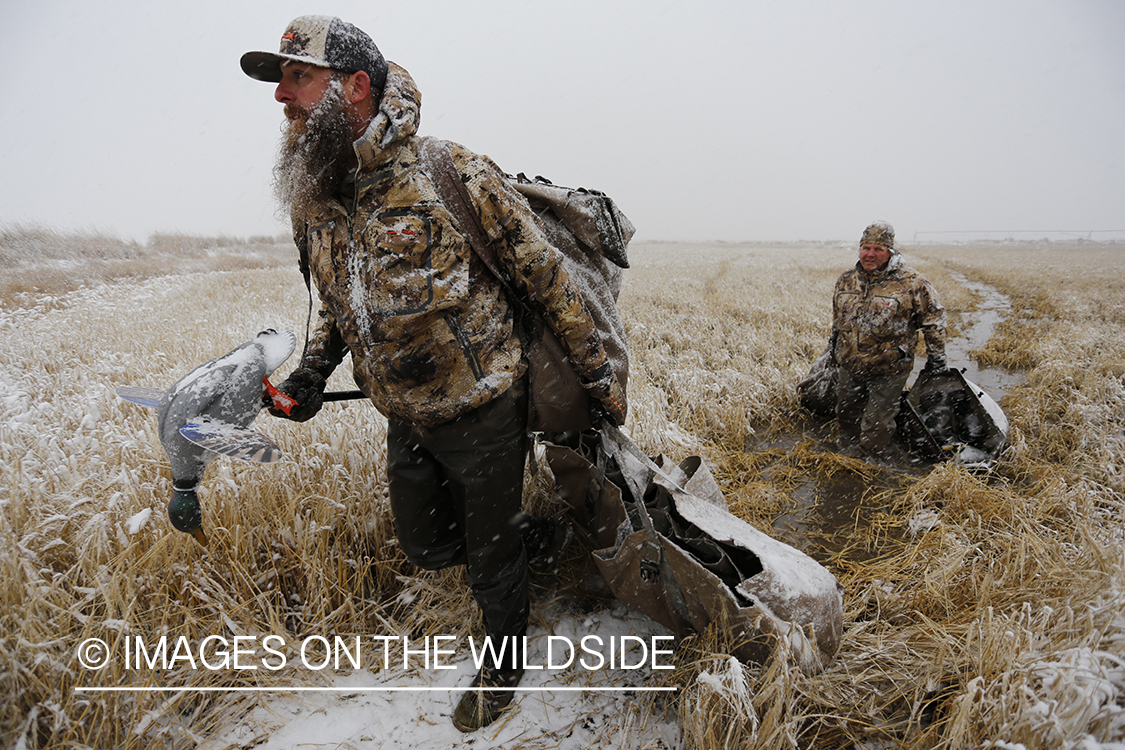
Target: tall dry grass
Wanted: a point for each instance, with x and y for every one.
(979, 607)
(41, 263)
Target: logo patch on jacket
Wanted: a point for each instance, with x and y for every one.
(402, 234)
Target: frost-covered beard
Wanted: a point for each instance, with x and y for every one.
(315, 155)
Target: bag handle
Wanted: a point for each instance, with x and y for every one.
(654, 560)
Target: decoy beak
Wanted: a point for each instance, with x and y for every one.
(200, 536)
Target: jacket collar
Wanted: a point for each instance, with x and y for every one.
(400, 111)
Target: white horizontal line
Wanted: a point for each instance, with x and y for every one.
(545, 688)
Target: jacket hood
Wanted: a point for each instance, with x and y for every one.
(400, 111)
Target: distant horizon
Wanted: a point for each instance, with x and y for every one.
(922, 237)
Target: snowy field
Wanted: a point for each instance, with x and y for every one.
(979, 608)
(556, 708)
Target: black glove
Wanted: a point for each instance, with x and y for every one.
(305, 386)
(607, 398)
(936, 363)
(597, 412)
(606, 409)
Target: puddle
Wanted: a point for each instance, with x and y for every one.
(834, 513)
(834, 504)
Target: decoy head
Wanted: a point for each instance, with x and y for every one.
(185, 513)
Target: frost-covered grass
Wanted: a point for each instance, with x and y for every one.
(979, 607)
(985, 608)
(41, 263)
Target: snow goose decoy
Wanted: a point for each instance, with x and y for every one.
(208, 412)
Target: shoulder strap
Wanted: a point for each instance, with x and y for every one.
(455, 196)
(654, 560)
(453, 193)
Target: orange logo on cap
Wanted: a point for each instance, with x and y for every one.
(288, 35)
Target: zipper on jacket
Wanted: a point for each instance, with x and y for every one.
(453, 320)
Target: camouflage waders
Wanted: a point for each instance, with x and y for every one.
(866, 409)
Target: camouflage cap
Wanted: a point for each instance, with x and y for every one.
(325, 41)
(879, 233)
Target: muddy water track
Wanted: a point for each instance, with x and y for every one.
(977, 326)
(845, 510)
(837, 508)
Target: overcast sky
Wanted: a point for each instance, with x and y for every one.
(705, 120)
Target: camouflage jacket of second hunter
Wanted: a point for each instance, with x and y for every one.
(431, 333)
(876, 318)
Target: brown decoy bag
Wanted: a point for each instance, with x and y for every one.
(667, 546)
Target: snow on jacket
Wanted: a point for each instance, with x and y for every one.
(876, 318)
(431, 333)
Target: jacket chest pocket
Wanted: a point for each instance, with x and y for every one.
(882, 316)
(396, 265)
(410, 266)
(849, 308)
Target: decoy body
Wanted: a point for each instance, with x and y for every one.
(208, 412)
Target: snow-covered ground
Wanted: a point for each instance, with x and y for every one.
(411, 710)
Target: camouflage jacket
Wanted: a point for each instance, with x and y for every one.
(876, 318)
(431, 333)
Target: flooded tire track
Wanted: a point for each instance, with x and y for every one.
(977, 326)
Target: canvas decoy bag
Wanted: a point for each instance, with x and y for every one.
(666, 544)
